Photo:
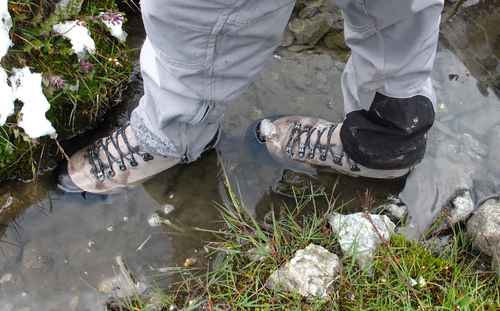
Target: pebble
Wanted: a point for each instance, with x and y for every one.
(6, 278)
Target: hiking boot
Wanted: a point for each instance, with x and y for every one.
(314, 142)
(112, 163)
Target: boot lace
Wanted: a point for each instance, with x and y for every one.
(102, 169)
(310, 150)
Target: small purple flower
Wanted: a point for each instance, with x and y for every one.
(56, 82)
(86, 66)
(115, 18)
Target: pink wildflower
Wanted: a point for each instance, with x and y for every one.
(86, 66)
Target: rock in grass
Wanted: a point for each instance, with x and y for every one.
(462, 207)
(484, 230)
(395, 208)
(311, 272)
(360, 234)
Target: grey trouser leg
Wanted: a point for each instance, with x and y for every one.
(394, 44)
(199, 54)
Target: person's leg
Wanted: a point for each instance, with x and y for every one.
(198, 55)
(388, 94)
(387, 89)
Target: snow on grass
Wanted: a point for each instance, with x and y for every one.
(7, 105)
(5, 25)
(27, 87)
(79, 36)
(114, 23)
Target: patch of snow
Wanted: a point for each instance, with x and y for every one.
(5, 25)
(114, 23)
(8, 98)
(79, 36)
(359, 237)
(27, 87)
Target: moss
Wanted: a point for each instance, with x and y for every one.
(89, 92)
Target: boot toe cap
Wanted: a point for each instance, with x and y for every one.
(65, 183)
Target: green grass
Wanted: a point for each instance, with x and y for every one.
(73, 110)
(450, 281)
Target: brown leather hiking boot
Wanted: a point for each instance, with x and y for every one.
(314, 142)
(111, 163)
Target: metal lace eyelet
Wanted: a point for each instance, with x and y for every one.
(302, 150)
(110, 173)
(122, 167)
(337, 159)
(323, 154)
(355, 168)
(133, 163)
(100, 176)
(147, 157)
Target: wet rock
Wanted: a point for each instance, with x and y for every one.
(34, 259)
(484, 230)
(335, 40)
(288, 39)
(461, 208)
(310, 31)
(6, 278)
(122, 285)
(6, 201)
(311, 272)
(360, 234)
(493, 158)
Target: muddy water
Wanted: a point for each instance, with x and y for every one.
(57, 248)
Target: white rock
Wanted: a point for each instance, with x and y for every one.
(395, 208)
(115, 28)
(469, 3)
(462, 207)
(78, 35)
(6, 278)
(311, 272)
(5, 25)
(359, 237)
(27, 87)
(8, 98)
(484, 230)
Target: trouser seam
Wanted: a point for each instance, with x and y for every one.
(211, 52)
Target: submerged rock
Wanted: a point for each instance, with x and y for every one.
(311, 272)
(122, 285)
(360, 234)
(484, 230)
